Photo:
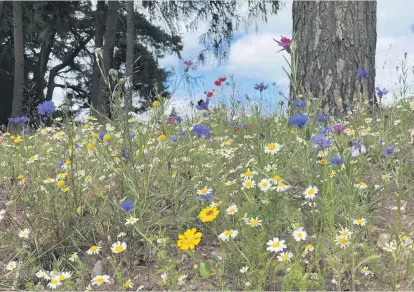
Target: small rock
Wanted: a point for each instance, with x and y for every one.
(100, 268)
(403, 206)
(382, 239)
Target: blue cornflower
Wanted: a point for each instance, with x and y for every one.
(321, 118)
(46, 107)
(244, 126)
(228, 83)
(232, 124)
(174, 139)
(301, 103)
(132, 135)
(101, 134)
(380, 92)
(324, 131)
(127, 205)
(362, 73)
(260, 86)
(298, 120)
(145, 85)
(388, 151)
(178, 119)
(59, 163)
(25, 131)
(19, 120)
(207, 196)
(202, 131)
(202, 105)
(320, 141)
(182, 133)
(336, 160)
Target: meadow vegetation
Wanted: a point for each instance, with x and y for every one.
(227, 199)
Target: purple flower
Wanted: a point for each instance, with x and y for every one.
(336, 160)
(46, 107)
(25, 131)
(190, 65)
(182, 133)
(19, 120)
(178, 119)
(298, 120)
(59, 163)
(324, 131)
(260, 86)
(145, 85)
(127, 205)
(388, 151)
(244, 126)
(380, 92)
(232, 124)
(338, 129)
(358, 148)
(362, 73)
(202, 105)
(321, 118)
(320, 141)
(285, 42)
(132, 135)
(301, 103)
(101, 134)
(202, 131)
(174, 139)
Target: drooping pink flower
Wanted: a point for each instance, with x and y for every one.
(285, 42)
(338, 129)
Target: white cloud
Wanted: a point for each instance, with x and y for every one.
(257, 57)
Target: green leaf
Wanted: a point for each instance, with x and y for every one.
(205, 270)
(366, 260)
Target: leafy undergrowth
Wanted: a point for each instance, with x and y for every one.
(243, 202)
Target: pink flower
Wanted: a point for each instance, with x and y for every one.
(285, 42)
(338, 129)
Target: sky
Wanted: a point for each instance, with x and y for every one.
(254, 55)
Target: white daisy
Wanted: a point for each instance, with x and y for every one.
(264, 185)
(272, 148)
(232, 209)
(310, 192)
(299, 234)
(227, 234)
(276, 245)
(100, 279)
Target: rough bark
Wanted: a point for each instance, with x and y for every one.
(333, 39)
(41, 66)
(102, 103)
(129, 54)
(99, 32)
(18, 59)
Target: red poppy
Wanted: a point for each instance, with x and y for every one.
(238, 130)
(217, 83)
(222, 79)
(170, 121)
(209, 94)
(250, 126)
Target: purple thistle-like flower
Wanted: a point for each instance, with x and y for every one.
(202, 131)
(46, 107)
(362, 73)
(260, 86)
(380, 92)
(127, 205)
(338, 129)
(190, 65)
(298, 120)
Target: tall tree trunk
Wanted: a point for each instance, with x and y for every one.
(41, 65)
(102, 103)
(333, 39)
(130, 55)
(99, 32)
(18, 59)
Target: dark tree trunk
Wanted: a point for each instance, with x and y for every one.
(41, 65)
(129, 54)
(18, 59)
(99, 32)
(332, 40)
(102, 104)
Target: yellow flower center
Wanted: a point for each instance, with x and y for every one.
(54, 281)
(228, 233)
(254, 222)
(249, 183)
(311, 192)
(342, 241)
(309, 246)
(94, 248)
(204, 191)
(276, 244)
(271, 147)
(248, 173)
(100, 280)
(119, 248)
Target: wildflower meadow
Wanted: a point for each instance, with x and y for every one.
(228, 198)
